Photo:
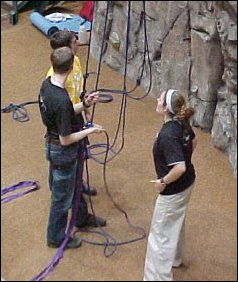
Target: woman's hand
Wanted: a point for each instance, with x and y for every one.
(158, 185)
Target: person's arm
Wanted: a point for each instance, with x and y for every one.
(77, 136)
(175, 173)
(78, 108)
(87, 103)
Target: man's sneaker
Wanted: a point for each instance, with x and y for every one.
(93, 221)
(74, 242)
(88, 190)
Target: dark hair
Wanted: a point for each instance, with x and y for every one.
(61, 38)
(62, 59)
(182, 110)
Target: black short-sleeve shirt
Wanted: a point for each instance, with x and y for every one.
(57, 110)
(173, 145)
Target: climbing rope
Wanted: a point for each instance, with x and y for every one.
(146, 52)
(123, 92)
(19, 112)
(122, 119)
(115, 243)
(17, 186)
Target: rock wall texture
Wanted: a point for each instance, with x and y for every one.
(192, 47)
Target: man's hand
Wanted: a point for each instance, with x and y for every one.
(96, 129)
(92, 99)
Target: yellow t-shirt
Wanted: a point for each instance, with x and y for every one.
(74, 81)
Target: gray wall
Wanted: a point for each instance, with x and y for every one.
(193, 47)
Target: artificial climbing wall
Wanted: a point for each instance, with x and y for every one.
(192, 46)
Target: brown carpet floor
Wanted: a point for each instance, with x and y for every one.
(211, 234)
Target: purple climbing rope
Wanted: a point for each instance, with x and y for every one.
(17, 186)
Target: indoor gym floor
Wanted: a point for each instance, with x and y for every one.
(211, 224)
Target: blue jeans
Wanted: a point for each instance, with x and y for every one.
(65, 173)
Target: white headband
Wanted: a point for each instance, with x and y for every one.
(169, 94)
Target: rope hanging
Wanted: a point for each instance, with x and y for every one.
(122, 120)
(91, 148)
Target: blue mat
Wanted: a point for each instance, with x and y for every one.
(48, 27)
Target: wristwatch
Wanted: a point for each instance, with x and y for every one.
(162, 181)
(88, 124)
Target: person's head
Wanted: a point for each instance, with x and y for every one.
(62, 60)
(64, 38)
(172, 103)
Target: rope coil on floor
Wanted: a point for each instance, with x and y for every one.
(19, 112)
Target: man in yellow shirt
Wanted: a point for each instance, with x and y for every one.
(74, 83)
(75, 80)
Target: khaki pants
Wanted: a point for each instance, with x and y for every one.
(166, 238)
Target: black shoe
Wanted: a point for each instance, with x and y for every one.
(88, 190)
(74, 242)
(93, 221)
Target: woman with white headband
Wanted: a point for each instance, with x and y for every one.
(172, 153)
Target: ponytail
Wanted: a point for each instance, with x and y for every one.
(177, 106)
(185, 113)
